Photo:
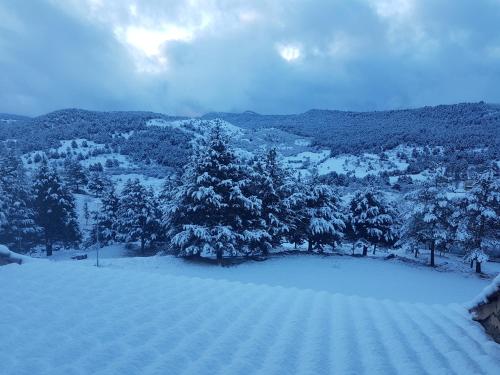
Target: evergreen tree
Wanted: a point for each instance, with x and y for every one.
(138, 215)
(86, 213)
(272, 185)
(15, 204)
(431, 220)
(324, 220)
(3, 209)
(37, 158)
(98, 183)
(106, 219)
(299, 219)
(480, 228)
(167, 199)
(214, 213)
(54, 208)
(372, 219)
(74, 174)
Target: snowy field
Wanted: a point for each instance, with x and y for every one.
(346, 275)
(374, 277)
(72, 318)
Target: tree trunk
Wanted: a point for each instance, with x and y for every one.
(472, 263)
(219, 257)
(48, 248)
(374, 248)
(478, 267)
(433, 250)
(310, 246)
(416, 252)
(365, 250)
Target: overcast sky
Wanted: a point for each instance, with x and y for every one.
(271, 56)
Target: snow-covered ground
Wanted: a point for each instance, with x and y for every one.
(195, 125)
(363, 277)
(356, 165)
(361, 166)
(120, 180)
(72, 318)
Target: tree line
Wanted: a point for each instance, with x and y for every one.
(223, 206)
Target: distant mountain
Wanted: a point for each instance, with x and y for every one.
(154, 137)
(461, 126)
(127, 132)
(8, 117)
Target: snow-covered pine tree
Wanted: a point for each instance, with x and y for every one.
(168, 200)
(299, 219)
(214, 214)
(106, 219)
(431, 220)
(98, 183)
(74, 174)
(138, 215)
(86, 213)
(16, 208)
(272, 185)
(3, 209)
(54, 208)
(325, 222)
(480, 227)
(372, 218)
(478, 256)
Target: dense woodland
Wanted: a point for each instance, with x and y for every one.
(223, 206)
(460, 126)
(124, 132)
(467, 133)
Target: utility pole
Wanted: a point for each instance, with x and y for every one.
(97, 239)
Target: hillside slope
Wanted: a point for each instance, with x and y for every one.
(458, 125)
(107, 321)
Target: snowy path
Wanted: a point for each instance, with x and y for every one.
(64, 318)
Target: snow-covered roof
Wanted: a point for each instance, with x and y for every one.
(487, 293)
(89, 320)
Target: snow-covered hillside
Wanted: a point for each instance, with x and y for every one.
(195, 126)
(106, 321)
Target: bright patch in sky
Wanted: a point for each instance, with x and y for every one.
(149, 43)
(394, 8)
(133, 10)
(289, 52)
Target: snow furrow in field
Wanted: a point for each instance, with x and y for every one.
(64, 318)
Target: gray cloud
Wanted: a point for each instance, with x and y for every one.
(188, 57)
